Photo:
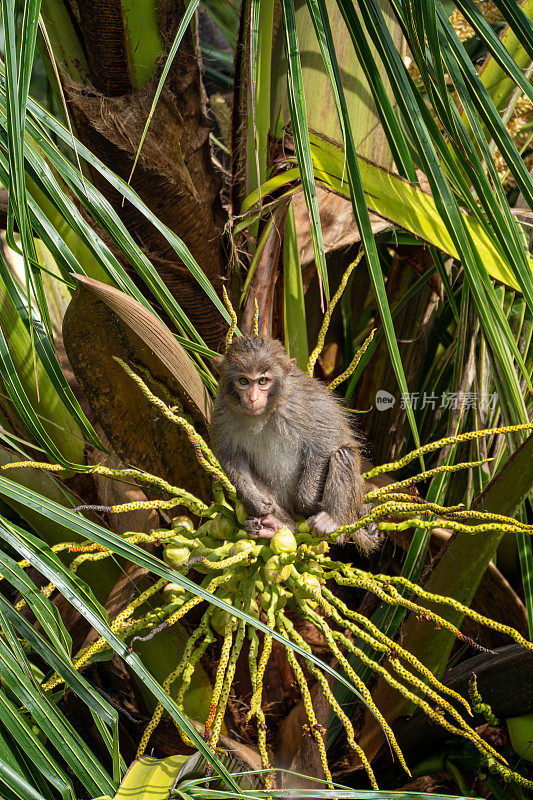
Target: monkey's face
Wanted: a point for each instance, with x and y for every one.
(252, 391)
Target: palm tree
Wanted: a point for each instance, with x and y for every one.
(390, 129)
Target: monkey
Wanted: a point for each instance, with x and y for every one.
(286, 443)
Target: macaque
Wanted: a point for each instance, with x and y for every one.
(286, 443)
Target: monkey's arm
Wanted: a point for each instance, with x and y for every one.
(265, 515)
(253, 496)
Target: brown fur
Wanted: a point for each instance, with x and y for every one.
(299, 456)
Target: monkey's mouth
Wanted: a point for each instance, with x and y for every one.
(253, 412)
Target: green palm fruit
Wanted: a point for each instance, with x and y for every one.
(171, 592)
(240, 546)
(283, 542)
(274, 571)
(222, 527)
(240, 512)
(310, 582)
(219, 620)
(176, 556)
(182, 521)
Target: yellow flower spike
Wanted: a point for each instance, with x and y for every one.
(225, 563)
(220, 674)
(371, 497)
(56, 548)
(327, 316)
(390, 595)
(398, 509)
(380, 641)
(310, 713)
(323, 626)
(354, 362)
(477, 702)
(153, 537)
(422, 506)
(228, 681)
(507, 774)
(233, 315)
(195, 505)
(486, 515)
(204, 454)
(259, 713)
(188, 672)
(290, 632)
(455, 604)
(44, 590)
(255, 701)
(81, 559)
(118, 623)
(387, 509)
(453, 525)
(255, 321)
(34, 464)
(469, 436)
(150, 728)
(262, 747)
(252, 667)
(465, 731)
(167, 683)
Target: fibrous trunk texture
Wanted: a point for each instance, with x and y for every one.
(174, 175)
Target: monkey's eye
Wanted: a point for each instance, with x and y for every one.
(243, 381)
(263, 381)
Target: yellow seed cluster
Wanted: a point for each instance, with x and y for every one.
(354, 362)
(233, 315)
(463, 28)
(327, 316)
(469, 436)
(255, 321)
(204, 454)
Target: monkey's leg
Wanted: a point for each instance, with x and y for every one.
(311, 484)
(341, 499)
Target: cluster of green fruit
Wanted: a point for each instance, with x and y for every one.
(268, 563)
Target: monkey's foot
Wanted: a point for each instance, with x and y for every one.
(368, 538)
(322, 524)
(262, 527)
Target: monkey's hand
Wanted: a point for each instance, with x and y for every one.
(322, 524)
(263, 527)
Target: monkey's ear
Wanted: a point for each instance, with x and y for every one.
(218, 361)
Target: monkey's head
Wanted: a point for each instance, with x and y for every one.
(252, 373)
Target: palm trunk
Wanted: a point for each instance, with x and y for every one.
(109, 104)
